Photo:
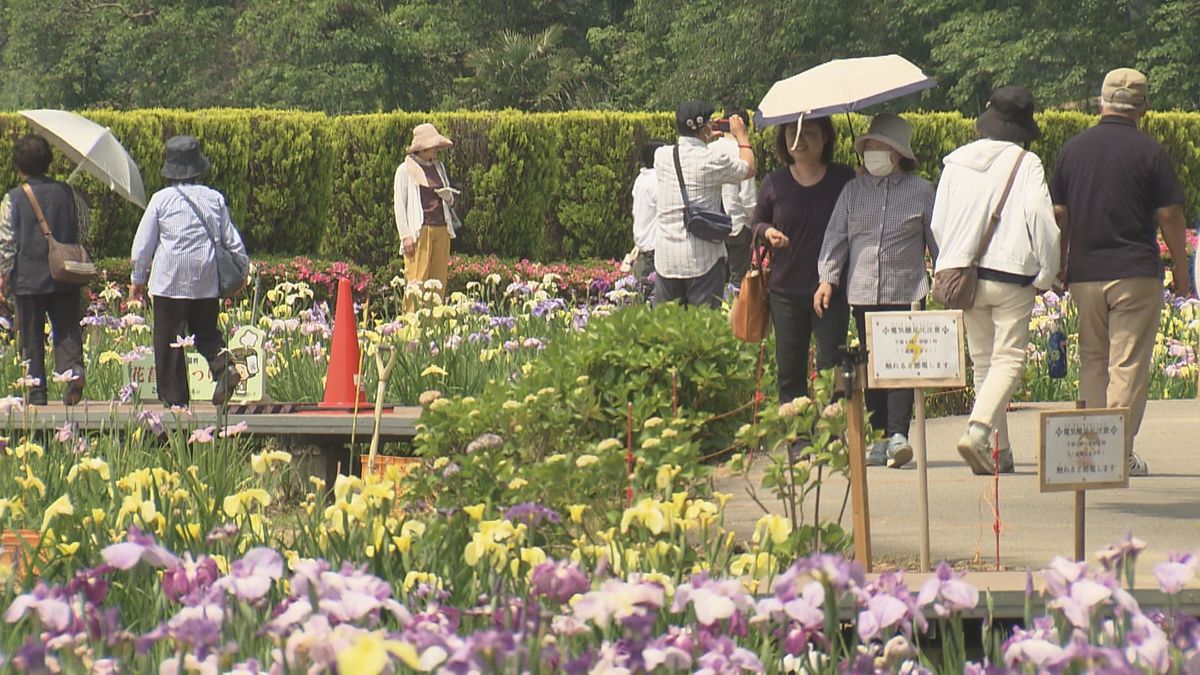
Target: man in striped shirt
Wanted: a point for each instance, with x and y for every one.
(688, 269)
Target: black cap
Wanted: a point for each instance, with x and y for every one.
(1009, 116)
(690, 116)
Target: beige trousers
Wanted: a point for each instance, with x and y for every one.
(1118, 322)
(430, 258)
(997, 334)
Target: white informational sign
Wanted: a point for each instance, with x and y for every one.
(915, 349)
(246, 347)
(1083, 450)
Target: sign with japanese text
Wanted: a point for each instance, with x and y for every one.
(1083, 450)
(915, 349)
(246, 348)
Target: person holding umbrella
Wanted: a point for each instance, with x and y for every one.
(25, 268)
(174, 252)
(878, 236)
(794, 207)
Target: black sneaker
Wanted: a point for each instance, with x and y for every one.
(74, 392)
(226, 386)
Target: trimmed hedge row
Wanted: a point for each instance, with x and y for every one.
(538, 186)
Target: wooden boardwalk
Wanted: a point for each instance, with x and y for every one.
(397, 424)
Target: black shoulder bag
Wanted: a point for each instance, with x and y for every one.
(707, 225)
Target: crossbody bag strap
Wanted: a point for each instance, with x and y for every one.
(37, 209)
(679, 174)
(994, 222)
(203, 220)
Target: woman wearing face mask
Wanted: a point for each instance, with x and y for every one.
(793, 208)
(875, 249)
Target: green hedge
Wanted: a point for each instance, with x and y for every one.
(540, 186)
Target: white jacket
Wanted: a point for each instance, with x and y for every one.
(406, 196)
(1026, 240)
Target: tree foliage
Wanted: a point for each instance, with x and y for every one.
(351, 56)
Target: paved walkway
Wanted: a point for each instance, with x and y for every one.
(1163, 509)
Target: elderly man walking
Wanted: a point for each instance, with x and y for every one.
(1113, 185)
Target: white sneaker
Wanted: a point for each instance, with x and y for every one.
(976, 450)
(1137, 466)
(899, 452)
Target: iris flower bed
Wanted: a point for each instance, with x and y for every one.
(561, 519)
(256, 609)
(1173, 374)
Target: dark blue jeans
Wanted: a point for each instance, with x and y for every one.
(796, 324)
(890, 409)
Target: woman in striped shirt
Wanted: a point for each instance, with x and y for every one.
(876, 240)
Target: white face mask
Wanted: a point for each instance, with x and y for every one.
(879, 162)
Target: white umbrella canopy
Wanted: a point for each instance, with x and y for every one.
(93, 148)
(842, 85)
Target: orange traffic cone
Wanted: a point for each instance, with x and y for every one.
(343, 387)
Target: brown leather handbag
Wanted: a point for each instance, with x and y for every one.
(750, 316)
(954, 288)
(69, 263)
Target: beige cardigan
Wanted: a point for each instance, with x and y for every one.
(410, 218)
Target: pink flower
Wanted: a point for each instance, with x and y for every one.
(1175, 573)
(948, 592)
(251, 577)
(202, 435)
(235, 429)
(1078, 603)
(139, 548)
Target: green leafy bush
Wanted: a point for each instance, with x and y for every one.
(665, 362)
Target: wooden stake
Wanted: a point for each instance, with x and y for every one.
(1080, 525)
(919, 444)
(1080, 511)
(856, 436)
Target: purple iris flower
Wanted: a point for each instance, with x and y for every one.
(558, 581)
(138, 547)
(673, 650)
(502, 322)
(152, 420)
(251, 577)
(189, 576)
(724, 656)
(224, 532)
(1175, 573)
(548, 307)
(47, 603)
(948, 592)
(532, 514)
(91, 584)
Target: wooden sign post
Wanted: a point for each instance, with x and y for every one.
(855, 435)
(1080, 450)
(917, 349)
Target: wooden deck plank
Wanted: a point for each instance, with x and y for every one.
(396, 424)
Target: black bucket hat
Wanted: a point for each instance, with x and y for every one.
(184, 159)
(1009, 116)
